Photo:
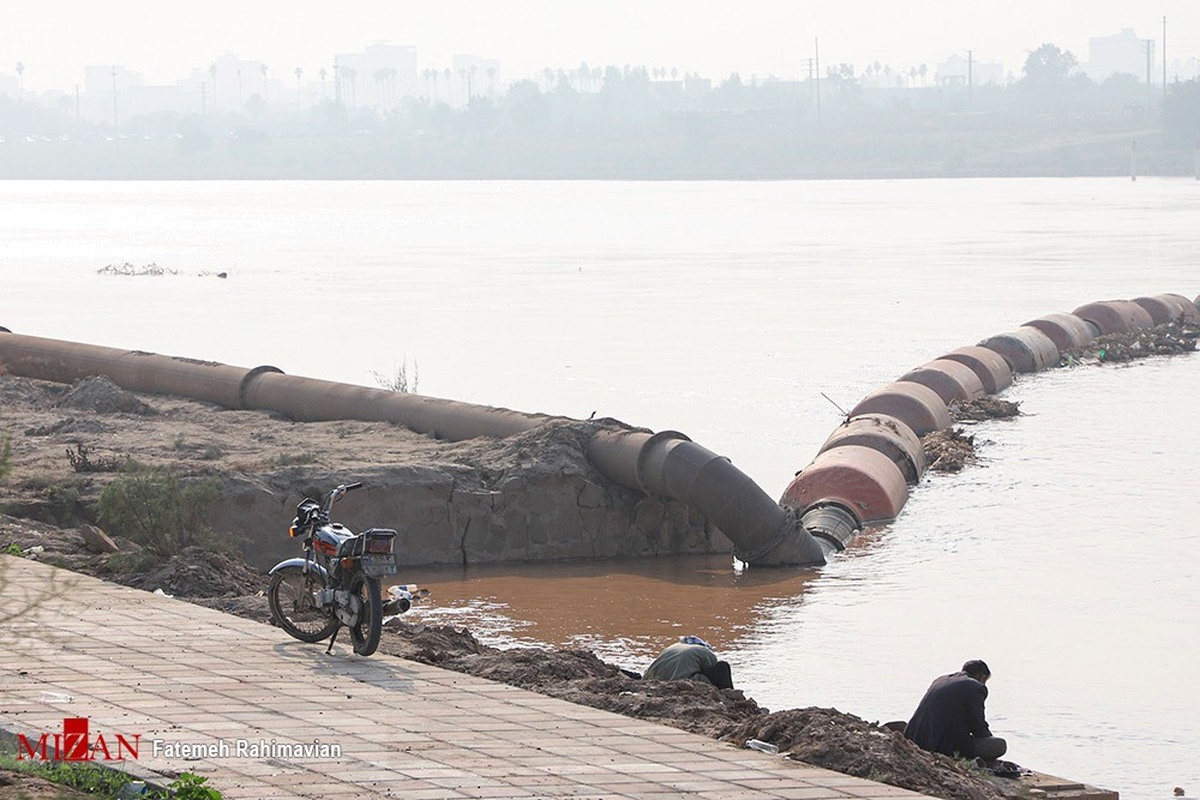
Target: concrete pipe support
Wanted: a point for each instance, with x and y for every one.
(951, 380)
(863, 481)
(1115, 316)
(1067, 331)
(917, 406)
(1025, 349)
(989, 366)
(886, 434)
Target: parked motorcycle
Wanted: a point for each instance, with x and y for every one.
(336, 583)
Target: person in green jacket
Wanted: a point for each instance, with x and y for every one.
(691, 658)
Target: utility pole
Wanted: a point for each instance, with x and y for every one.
(970, 71)
(1149, 45)
(116, 131)
(1164, 56)
(817, 62)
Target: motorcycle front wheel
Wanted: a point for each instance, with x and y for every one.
(293, 607)
(365, 634)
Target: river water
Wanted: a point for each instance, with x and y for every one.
(740, 314)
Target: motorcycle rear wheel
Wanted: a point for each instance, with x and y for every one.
(365, 634)
(290, 596)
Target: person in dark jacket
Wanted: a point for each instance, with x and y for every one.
(950, 717)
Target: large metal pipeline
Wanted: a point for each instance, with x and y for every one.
(669, 464)
(666, 464)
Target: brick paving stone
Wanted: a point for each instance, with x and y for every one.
(135, 662)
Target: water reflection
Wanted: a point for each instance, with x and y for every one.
(624, 610)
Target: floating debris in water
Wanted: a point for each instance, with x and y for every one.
(129, 269)
(948, 450)
(982, 408)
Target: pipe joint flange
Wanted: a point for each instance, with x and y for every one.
(648, 452)
(250, 377)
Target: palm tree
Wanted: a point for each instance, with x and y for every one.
(263, 69)
(299, 73)
(448, 74)
(922, 70)
(322, 73)
(380, 75)
(212, 72)
(491, 73)
(20, 78)
(351, 75)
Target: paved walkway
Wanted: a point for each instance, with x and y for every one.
(132, 663)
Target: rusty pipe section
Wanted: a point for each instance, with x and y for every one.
(312, 399)
(666, 464)
(68, 362)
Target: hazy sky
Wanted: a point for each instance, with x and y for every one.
(166, 39)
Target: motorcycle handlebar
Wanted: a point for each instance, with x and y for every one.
(337, 493)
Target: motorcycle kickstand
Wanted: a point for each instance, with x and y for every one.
(332, 639)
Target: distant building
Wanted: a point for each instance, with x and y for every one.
(377, 77)
(9, 85)
(1122, 52)
(959, 71)
(695, 86)
(111, 93)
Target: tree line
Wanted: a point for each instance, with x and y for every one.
(632, 122)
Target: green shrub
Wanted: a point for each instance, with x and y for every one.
(5, 455)
(398, 380)
(189, 786)
(157, 509)
(65, 501)
(292, 459)
(84, 460)
(86, 778)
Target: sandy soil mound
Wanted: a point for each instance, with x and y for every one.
(101, 395)
(826, 737)
(196, 572)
